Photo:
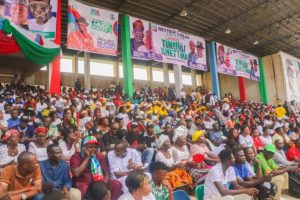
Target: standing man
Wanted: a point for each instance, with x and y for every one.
(22, 181)
(192, 57)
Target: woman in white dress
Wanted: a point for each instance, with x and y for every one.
(10, 151)
(39, 146)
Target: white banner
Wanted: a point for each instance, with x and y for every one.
(92, 29)
(291, 69)
(237, 63)
(151, 41)
(36, 16)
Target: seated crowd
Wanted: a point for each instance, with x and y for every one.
(98, 144)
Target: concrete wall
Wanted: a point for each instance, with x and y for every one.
(229, 84)
(252, 90)
(275, 83)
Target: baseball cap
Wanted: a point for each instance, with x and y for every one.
(270, 147)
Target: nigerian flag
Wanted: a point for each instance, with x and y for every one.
(37, 49)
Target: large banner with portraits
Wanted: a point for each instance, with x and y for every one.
(92, 29)
(234, 62)
(35, 15)
(151, 41)
(291, 70)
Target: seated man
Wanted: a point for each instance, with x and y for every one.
(122, 161)
(55, 171)
(89, 166)
(22, 181)
(293, 154)
(110, 139)
(280, 176)
(216, 136)
(221, 177)
(246, 179)
(279, 155)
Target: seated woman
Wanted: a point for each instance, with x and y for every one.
(181, 154)
(199, 147)
(103, 125)
(12, 149)
(165, 156)
(70, 143)
(39, 146)
(138, 187)
(257, 140)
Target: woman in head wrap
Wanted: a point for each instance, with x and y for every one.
(89, 166)
(181, 154)
(199, 147)
(39, 146)
(177, 176)
(11, 149)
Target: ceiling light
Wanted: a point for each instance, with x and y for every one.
(183, 13)
(228, 30)
(256, 42)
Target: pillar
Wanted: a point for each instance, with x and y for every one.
(242, 88)
(126, 56)
(214, 68)
(262, 82)
(49, 75)
(116, 72)
(75, 67)
(178, 79)
(150, 76)
(194, 78)
(166, 74)
(87, 71)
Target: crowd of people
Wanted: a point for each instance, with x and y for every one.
(99, 144)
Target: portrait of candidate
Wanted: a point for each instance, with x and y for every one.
(192, 56)
(137, 42)
(2, 8)
(40, 10)
(19, 12)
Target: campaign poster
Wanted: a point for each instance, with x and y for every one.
(38, 16)
(291, 69)
(196, 49)
(247, 66)
(226, 57)
(140, 39)
(92, 29)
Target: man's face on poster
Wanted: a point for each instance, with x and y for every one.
(138, 33)
(192, 47)
(19, 13)
(41, 11)
(200, 52)
(82, 27)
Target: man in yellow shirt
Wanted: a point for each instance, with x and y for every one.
(280, 111)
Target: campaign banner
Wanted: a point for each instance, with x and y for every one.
(33, 15)
(234, 62)
(291, 69)
(92, 29)
(150, 41)
(140, 39)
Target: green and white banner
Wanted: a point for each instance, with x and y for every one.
(237, 63)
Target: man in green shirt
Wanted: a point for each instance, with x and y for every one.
(279, 175)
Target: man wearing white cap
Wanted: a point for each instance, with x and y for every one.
(43, 20)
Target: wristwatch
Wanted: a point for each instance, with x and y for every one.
(23, 196)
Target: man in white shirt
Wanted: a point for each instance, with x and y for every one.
(123, 160)
(220, 179)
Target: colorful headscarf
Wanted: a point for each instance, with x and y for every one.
(40, 130)
(9, 133)
(197, 135)
(95, 164)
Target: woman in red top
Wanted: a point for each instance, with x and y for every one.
(257, 141)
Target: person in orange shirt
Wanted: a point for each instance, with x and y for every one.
(81, 39)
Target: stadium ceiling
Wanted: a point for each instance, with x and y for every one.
(261, 27)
